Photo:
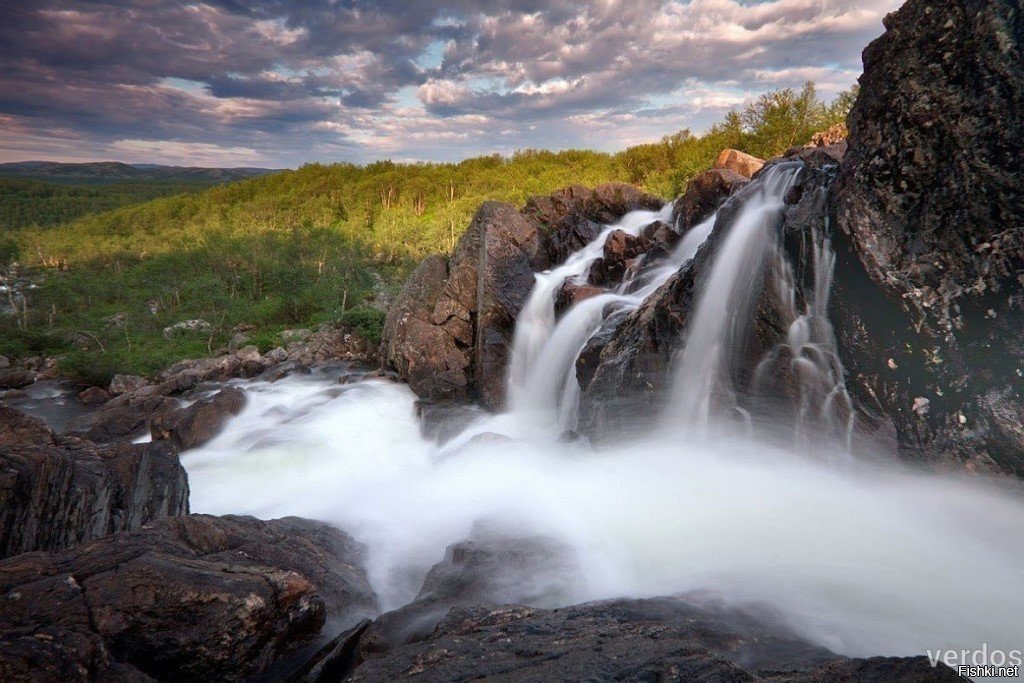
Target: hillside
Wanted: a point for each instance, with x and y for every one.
(117, 172)
(301, 247)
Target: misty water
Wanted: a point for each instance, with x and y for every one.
(853, 551)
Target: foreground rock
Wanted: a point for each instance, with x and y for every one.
(930, 201)
(448, 334)
(55, 493)
(660, 639)
(189, 598)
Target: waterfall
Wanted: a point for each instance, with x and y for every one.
(726, 302)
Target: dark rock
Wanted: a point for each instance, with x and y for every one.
(929, 203)
(193, 426)
(94, 396)
(18, 429)
(124, 418)
(335, 660)
(54, 495)
(188, 598)
(620, 252)
(704, 194)
(16, 379)
(662, 234)
(660, 639)
(450, 331)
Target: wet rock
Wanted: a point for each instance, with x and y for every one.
(659, 639)
(94, 396)
(57, 493)
(929, 206)
(620, 252)
(16, 379)
(704, 194)
(188, 598)
(124, 418)
(126, 384)
(195, 425)
(450, 331)
(739, 162)
(424, 354)
(571, 294)
(662, 234)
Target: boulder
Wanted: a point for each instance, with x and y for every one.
(188, 598)
(55, 493)
(124, 418)
(449, 333)
(929, 206)
(620, 251)
(834, 134)
(571, 294)
(704, 194)
(18, 429)
(94, 396)
(739, 162)
(657, 639)
(195, 425)
(127, 384)
(16, 378)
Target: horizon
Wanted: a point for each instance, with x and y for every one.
(225, 84)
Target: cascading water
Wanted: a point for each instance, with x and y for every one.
(726, 302)
(856, 558)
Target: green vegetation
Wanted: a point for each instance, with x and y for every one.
(302, 247)
(30, 203)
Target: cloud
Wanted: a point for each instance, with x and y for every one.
(279, 82)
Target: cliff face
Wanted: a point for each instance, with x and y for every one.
(929, 201)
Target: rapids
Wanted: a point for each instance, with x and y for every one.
(857, 555)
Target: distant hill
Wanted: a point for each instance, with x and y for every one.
(117, 172)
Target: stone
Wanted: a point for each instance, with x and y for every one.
(704, 194)
(126, 384)
(739, 162)
(16, 379)
(57, 493)
(124, 418)
(187, 598)
(570, 294)
(195, 425)
(834, 134)
(18, 429)
(94, 396)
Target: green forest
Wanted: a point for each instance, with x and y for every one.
(312, 245)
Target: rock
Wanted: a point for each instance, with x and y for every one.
(658, 639)
(196, 326)
(126, 384)
(335, 660)
(620, 251)
(449, 331)
(56, 493)
(929, 206)
(661, 233)
(276, 355)
(248, 353)
(834, 134)
(704, 194)
(297, 335)
(424, 354)
(16, 379)
(199, 370)
(329, 344)
(5, 362)
(188, 598)
(94, 396)
(571, 294)
(123, 418)
(491, 567)
(739, 162)
(194, 426)
(18, 429)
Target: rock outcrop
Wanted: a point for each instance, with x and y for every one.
(448, 334)
(58, 492)
(659, 639)
(200, 422)
(739, 162)
(188, 598)
(703, 195)
(930, 201)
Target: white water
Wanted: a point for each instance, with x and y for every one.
(861, 558)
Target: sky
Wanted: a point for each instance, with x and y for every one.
(279, 83)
